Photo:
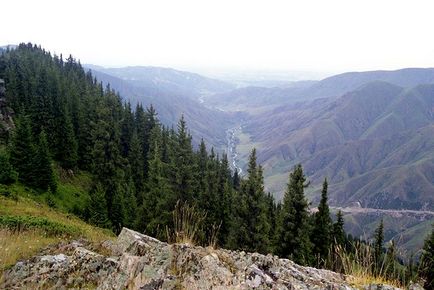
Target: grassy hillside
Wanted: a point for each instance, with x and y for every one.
(30, 221)
(408, 229)
(373, 144)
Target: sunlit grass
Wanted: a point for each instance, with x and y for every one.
(15, 246)
(359, 265)
(23, 244)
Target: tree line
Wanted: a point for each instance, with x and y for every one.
(67, 121)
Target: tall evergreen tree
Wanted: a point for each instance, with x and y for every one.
(322, 228)
(338, 237)
(378, 246)
(23, 151)
(7, 173)
(293, 238)
(98, 208)
(67, 146)
(250, 223)
(155, 212)
(135, 159)
(44, 174)
(183, 166)
(427, 269)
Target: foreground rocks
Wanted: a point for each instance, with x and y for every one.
(136, 261)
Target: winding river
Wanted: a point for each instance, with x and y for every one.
(232, 148)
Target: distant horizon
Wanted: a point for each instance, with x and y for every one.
(234, 72)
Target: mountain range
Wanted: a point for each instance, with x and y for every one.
(368, 133)
(173, 93)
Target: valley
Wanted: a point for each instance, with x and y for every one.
(232, 149)
(369, 133)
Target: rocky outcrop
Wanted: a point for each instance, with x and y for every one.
(136, 261)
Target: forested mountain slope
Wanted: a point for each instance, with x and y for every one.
(158, 87)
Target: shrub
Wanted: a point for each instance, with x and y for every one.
(23, 223)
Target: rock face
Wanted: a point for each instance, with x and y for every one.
(136, 261)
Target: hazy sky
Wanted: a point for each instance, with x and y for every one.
(306, 35)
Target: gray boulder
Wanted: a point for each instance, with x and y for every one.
(138, 261)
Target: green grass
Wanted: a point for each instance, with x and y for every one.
(31, 220)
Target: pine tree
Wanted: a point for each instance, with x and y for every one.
(390, 261)
(338, 237)
(293, 238)
(98, 208)
(224, 199)
(7, 173)
(156, 211)
(117, 210)
(66, 151)
(202, 166)
(135, 159)
(183, 181)
(322, 228)
(23, 151)
(427, 269)
(378, 246)
(236, 180)
(250, 222)
(127, 129)
(130, 204)
(44, 172)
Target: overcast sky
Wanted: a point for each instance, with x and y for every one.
(303, 35)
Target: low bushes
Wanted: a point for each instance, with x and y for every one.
(49, 227)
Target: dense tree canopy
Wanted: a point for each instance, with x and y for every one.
(140, 169)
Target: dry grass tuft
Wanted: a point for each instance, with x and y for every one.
(187, 224)
(360, 265)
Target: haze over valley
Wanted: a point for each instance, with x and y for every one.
(370, 133)
(227, 144)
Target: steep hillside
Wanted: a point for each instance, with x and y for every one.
(374, 144)
(335, 86)
(28, 224)
(168, 80)
(203, 122)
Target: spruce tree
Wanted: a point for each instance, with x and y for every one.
(7, 173)
(250, 222)
(98, 208)
(183, 166)
(135, 159)
(322, 228)
(427, 262)
(338, 236)
(378, 246)
(236, 180)
(155, 212)
(293, 238)
(23, 151)
(117, 210)
(66, 151)
(130, 204)
(44, 172)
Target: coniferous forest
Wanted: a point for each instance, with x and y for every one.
(66, 122)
